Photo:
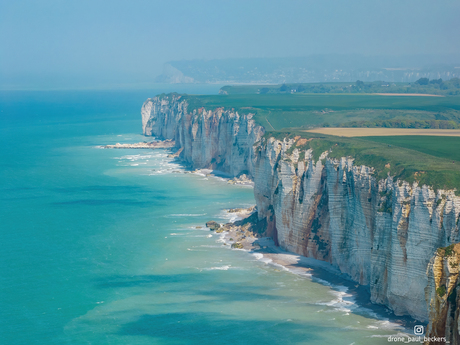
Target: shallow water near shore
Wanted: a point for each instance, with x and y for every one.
(105, 247)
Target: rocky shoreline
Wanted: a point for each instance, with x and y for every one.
(242, 180)
(242, 233)
(163, 144)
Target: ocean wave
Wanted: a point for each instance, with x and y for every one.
(220, 268)
(186, 215)
(344, 301)
(135, 157)
(258, 256)
(386, 324)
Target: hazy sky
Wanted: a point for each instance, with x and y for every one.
(91, 43)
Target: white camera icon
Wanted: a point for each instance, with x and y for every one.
(419, 330)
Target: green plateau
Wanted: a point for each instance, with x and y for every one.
(430, 160)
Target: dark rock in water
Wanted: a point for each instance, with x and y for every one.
(212, 225)
(227, 226)
(237, 245)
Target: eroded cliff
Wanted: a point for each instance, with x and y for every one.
(443, 294)
(216, 139)
(381, 232)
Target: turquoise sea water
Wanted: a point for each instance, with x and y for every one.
(101, 246)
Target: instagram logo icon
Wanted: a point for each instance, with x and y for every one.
(418, 330)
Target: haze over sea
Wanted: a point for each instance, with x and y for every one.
(102, 246)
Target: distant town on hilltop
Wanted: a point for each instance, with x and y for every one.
(311, 69)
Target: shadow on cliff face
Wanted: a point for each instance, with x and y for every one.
(216, 328)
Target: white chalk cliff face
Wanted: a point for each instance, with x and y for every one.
(381, 233)
(219, 139)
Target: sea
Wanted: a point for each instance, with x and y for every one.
(103, 246)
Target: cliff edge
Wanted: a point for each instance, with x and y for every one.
(383, 233)
(217, 139)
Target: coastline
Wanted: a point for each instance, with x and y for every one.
(159, 144)
(242, 180)
(350, 297)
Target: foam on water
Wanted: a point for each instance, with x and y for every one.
(343, 301)
(187, 215)
(220, 268)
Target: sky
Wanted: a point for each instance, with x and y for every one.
(57, 43)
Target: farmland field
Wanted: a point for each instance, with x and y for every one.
(444, 147)
(331, 101)
(278, 111)
(434, 87)
(386, 132)
(430, 160)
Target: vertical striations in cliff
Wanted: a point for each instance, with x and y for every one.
(443, 294)
(216, 139)
(381, 233)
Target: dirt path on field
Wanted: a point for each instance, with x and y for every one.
(368, 132)
(407, 94)
(269, 121)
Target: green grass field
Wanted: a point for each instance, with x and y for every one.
(404, 163)
(443, 147)
(330, 101)
(278, 111)
(434, 161)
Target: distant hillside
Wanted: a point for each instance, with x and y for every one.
(311, 69)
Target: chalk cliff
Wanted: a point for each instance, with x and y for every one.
(218, 139)
(443, 294)
(382, 233)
